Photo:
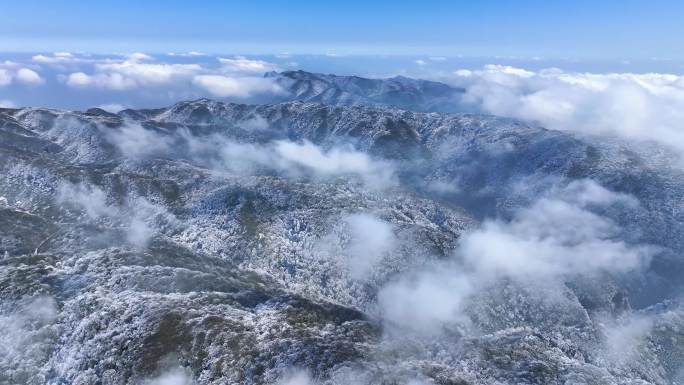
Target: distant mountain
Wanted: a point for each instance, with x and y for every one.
(400, 92)
(235, 241)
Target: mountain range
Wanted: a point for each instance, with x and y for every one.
(360, 232)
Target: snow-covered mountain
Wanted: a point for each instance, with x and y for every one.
(399, 91)
(334, 243)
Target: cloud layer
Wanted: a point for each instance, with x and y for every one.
(222, 154)
(237, 77)
(632, 106)
(557, 237)
(137, 219)
(11, 72)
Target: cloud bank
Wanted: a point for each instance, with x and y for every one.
(557, 237)
(138, 219)
(242, 64)
(11, 72)
(632, 106)
(4, 103)
(237, 77)
(222, 154)
(240, 87)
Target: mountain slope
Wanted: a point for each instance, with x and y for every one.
(400, 92)
(231, 243)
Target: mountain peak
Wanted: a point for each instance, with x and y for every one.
(401, 92)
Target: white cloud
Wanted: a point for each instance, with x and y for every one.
(149, 73)
(10, 72)
(5, 77)
(187, 54)
(112, 107)
(336, 162)
(421, 62)
(361, 242)
(27, 335)
(136, 142)
(558, 236)
(91, 199)
(138, 56)
(256, 123)
(138, 70)
(132, 72)
(297, 377)
(46, 59)
(292, 159)
(242, 64)
(550, 239)
(625, 336)
(235, 77)
(175, 376)
(28, 76)
(143, 220)
(646, 106)
(56, 58)
(4, 103)
(137, 218)
(112, 81)
(426, 300)
(240, 87)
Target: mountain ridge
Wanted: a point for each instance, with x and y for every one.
(232, 241)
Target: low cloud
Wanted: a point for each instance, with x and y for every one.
(187, 54)
(302, 159)
(233, 78)
(91, 199)
(288, 158)
(240, 87)
(12, 73)
(138, 56)
(625, 337)
(427, 300)
(256, 123)
(176, 376)
(56, 58)
(135, 70)
(112, 107)
(27, 336)
(633, 106)
(360, 241)
(370, 239)
(7, 104)
(112, 81)
(5, 77)
(29, 76)
(297, 377)
(557, 237)
(335, 162)
(137, 218)
(242, 64)
(149, 73)
(136, 142)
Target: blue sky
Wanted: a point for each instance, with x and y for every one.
(78, 54)
(578, 29)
